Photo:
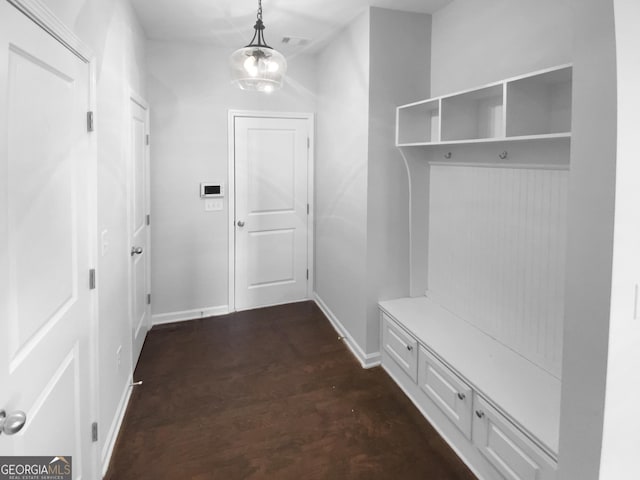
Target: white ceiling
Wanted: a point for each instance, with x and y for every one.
(229, 23)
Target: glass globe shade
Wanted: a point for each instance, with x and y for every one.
(258, 68)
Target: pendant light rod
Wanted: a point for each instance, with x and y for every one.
(259, 30)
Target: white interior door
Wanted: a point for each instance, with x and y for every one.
(46, 237)
(271, 198)
(139, 228)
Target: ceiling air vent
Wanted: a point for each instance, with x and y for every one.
(296, 41)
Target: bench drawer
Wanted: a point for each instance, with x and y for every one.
(452, 395)
(400, 346)
(511, 452)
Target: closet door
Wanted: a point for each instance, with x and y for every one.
(47, 180)
(271, 225)
(139, 275)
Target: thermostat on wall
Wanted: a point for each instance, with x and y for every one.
(211, 190)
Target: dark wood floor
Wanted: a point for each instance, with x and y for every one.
(270, 394)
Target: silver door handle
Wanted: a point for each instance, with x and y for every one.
(240, 223)
(136, 251)
(12, 423)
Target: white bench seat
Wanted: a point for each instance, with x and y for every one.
(522, 391)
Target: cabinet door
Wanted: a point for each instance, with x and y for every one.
(400, 346)
(453, 396)
(509, 450)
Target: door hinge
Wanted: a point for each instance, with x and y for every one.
(307, 274)
(308, 143)
(94, 432)
(92, 279)
(148, 299)
(89, 121)
(307, 209)
(148, 219)
(148, 140)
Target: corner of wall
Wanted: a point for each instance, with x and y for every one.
(400, 73)
(342, 152)
(590, 241)
(367, 360)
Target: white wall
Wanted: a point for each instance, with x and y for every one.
(621, 422)
(122, 71)
(380, 60)
(479, 42)
(398, 73)
(341, 176)
(111, 29)
(497, 241)
(190, 95)
(590, 240)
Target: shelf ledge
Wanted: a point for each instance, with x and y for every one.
(522, 138)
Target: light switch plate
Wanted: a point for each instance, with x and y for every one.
(104, 242)
(213, 204)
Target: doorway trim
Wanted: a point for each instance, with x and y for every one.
(231, 194)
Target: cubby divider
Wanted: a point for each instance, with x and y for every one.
(532, 106)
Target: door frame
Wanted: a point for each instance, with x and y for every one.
(41, 15)
(135, 97)
(231, 194)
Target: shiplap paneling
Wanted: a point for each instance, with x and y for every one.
(497, 239)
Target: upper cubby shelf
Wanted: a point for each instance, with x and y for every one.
(532, 106)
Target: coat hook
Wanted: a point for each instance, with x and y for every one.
(503, 155)
(448, 155)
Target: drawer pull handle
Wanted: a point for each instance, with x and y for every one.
(409, 347)
(461, 396)
(479, 413)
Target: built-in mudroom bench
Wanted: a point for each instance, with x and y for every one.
(477, 345)
(495, 408)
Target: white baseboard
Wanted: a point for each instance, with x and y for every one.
(366, 360)
(172, 317)
(112, 435)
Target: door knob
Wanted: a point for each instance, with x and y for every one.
(136, 251)
(13, 423)
(240, 223)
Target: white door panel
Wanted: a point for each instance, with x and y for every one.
(271, 210)
(139, 207)
(45, 234)
(271, 257)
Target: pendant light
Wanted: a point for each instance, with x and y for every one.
(258, 66)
